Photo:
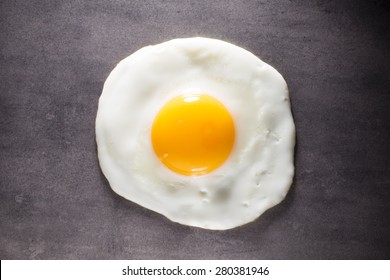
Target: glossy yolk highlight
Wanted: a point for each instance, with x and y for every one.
(193, 134)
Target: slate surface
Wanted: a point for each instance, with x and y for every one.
(55, 57)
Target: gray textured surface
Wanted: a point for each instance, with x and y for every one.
(55, 56)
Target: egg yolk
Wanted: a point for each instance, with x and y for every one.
(193, 134)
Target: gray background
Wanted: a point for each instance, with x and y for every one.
(55, 57)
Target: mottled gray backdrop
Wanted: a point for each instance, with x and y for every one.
(55, 56)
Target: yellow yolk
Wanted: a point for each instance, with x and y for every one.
(193, 134)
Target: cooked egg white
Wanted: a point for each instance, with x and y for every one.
(198, 130)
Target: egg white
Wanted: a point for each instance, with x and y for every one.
(259, 170)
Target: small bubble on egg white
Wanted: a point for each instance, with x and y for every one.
(245, 203)
(203, 192)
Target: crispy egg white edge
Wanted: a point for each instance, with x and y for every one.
(262, 183)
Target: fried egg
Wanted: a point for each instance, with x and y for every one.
(198, 130)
